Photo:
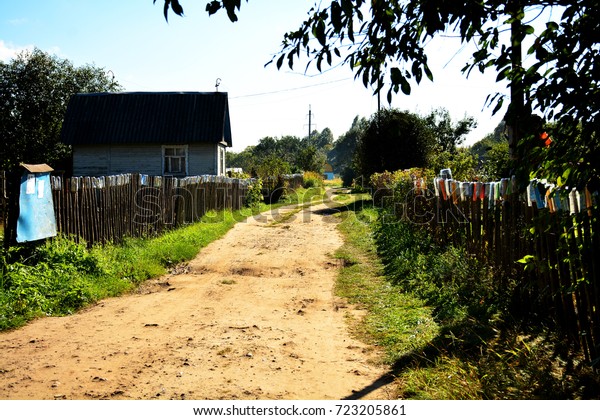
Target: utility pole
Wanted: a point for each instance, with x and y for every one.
(309, 123)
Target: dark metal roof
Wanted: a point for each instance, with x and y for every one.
(147, 117)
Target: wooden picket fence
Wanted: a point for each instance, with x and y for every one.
(108, 209)
(549, 257)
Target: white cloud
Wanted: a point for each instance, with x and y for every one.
(8, 51)
(18, 21)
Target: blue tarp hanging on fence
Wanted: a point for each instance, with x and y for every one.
(36, 210)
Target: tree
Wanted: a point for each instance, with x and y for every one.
(492, 154)
(394, 140)
(449, 135)
(35, 89)
(272, 166)
(481, 147)
(322, 141)
(265, 147)
(343, 148)
(496, 164)
(342, 154)
(384, 42)
(311, 159)
(288, 148)
(243, 159)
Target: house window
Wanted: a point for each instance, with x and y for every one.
(175, 160)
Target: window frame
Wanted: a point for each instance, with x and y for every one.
(185, 156)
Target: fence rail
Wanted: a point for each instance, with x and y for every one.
(546, 244)
(107, 209)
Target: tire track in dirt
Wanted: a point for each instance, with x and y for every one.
(253, 316)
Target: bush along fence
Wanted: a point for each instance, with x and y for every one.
(543, 243)
(108, 209)
(276, 186)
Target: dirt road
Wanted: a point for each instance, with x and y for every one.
(254, 317)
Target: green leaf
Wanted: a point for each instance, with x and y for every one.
(213, 7)
(336, 16)
(280, 61)
(365, 78)
(498, 106)
(350, 30)
(503, 74)
(319, 32)
(428, 72)
(176, 7)
(405, 86)
(417, 72)
(395, 75)
(527, 259)
(166, 10)
(348, 7)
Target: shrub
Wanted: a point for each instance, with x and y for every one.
(348, 174)
(47, 288)
(254, 195)
(461, 161)
(393, 140)
(238, 175)
(396, 185)
(312, 180)
(63, 251)
(446, 277)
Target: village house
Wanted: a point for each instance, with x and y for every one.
(154, 133)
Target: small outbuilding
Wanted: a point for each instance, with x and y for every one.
(155, 133)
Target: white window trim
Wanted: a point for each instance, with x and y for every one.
(172, 146)
(222, 162)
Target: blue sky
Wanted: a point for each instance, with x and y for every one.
(132, 40)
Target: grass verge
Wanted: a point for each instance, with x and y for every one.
(434, 347)
(396, 322)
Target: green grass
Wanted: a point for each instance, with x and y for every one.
(395, 321)
(335, 182)
(445, 379)
(304, 197)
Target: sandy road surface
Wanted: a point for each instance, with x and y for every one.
(254, 317)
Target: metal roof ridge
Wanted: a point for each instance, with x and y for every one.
(175, 92)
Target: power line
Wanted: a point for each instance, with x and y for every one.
(290, 89)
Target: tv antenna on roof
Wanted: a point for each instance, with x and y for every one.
(217, 84)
